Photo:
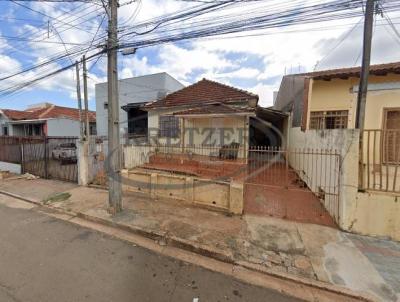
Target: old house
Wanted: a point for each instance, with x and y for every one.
(322, 107)
(43, 119)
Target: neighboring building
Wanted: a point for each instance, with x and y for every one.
(43, 120)
(133, 94)
(322, 107)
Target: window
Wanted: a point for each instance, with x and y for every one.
(105, 106)
(5, 130)
(391, 135)
(329, 119)
(169, 126)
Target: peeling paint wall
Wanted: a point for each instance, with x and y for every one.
(369, 213)
(376, 214)
(213, 194)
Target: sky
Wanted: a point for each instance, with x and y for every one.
(254, 61)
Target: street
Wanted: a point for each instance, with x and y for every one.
(46, 259)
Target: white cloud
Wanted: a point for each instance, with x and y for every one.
(221, 58)
(8, 65)
(265, 93)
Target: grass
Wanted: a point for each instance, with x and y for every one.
(57, 198)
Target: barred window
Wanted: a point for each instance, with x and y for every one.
(329, 119)
(392, 135)
(169, 126)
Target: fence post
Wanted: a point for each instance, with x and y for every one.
(46, 170)
(21, 145)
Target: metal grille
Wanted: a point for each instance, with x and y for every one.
(313, 170)
(329, 119)
(392, 136)
(380, 159)
(169, 126)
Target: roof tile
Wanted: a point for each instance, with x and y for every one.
(378, 69)
(46, 113)
(204, 91)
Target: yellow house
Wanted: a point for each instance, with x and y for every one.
(322, 108)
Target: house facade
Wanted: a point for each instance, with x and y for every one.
(205, 113)
(44, 120)
(322, 107)
(133, 94)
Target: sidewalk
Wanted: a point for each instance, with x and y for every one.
(295, 250)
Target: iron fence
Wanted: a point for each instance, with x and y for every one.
(380, 160)
(315, 170)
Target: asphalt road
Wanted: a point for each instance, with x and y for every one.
(45, 259)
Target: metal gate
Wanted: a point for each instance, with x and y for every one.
(297, 184)
(51, 157)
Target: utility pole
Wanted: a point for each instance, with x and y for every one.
(114, 156)
(363, 87)
(78, 92)
(86, 98)
(366, 59)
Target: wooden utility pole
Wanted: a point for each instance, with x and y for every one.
(363, 87)
(78, 92)
(86, 98)
(114, 156)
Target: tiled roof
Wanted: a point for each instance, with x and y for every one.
(204, 91)
(14, 114)
(216, 109)
(52, 111)
(379, 69)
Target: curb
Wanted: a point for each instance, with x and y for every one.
(33, 201)
(222, 256)
(216, 254)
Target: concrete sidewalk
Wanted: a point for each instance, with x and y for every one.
(293, 250)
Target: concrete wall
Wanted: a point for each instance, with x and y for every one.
(135, 156)
(376, 214)
(345, 142)
(133, 90)
(218, 195)
(63, 127)
(337, 94)
(13, 168)
(369, 213)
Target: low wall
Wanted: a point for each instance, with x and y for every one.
(13, 168)
(376, 214)
(368, 213)
(214, 194)
(346, 143)
(136, 155)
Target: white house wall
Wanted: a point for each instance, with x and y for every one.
(133, 90)
(63, 127)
